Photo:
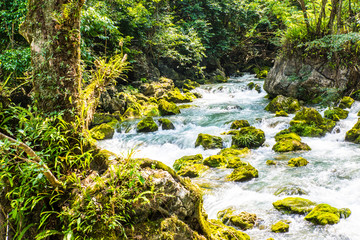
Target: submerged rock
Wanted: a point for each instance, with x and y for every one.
(215, 161)
(346, 102)
(280, 227)
(147, 125)
(209, 141)
(336, 114)
(166, 124)
(281, 103)
(323, 214)
(298, 162)
(243, 173)
(290, 190)
(249, 137)
(168, 108)
(239, 124)
(294, 205)
(103, 131)
(243, 220)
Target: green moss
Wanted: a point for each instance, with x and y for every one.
(176, 96)
(208, 141)
(271, 162)
(353, 135)
(167, 108)
(239, 124)
(336, 114)
(187, 160)
(147, 125)
(215, 161)
(184, 106)
(281, 103)
(344, 212)
(103, 131)
(190, 85)
(243, 173)
(100, 118)
(249, 137)
(294, 205)
(243, 220)
(356, 95)
(132, 113)
(235, 162)
(346, 102)
(323, 214)
(152, 110)
(218, 230)
(284, 135)
(281, 113)
(298, 162)
(166, 124)
(230, 152)
(192, 171)
(310, 116)
(290, 145)
(280, 227)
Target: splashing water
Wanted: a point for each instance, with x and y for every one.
(332, 175)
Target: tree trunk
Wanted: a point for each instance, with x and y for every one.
(52, 27)
(334, 4)
(339, 23)
(321, 16)
(306, 17)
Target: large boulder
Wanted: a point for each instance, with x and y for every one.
(323, 214)
(209, 141)
(281, 103)
(103, 131)
(249, 137)
(168, 108)
(353, 135)
(166, 124)
(187, 160)
(176, 96)
(215, 161)
(294, 205)
(147, 125)
(336, 113)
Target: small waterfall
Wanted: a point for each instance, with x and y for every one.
(332, 175)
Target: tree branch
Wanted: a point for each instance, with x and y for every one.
(34, 159)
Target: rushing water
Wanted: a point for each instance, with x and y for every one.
(332, 175)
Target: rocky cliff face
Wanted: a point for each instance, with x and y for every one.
(307, 79)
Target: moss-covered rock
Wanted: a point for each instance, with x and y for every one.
(215, 161)
(147, 125)
(271, 162)
(287, 135)
(356, 95)
(187, 160)
(249, 137)
(208, 141)
(132, 113)
(190, 85)
(281, 113)
(243, 220)
(166, 124)
(298, 162)
(231, 152)
(290, 190)
(323, 214)
(309, 115)
(346, 102)
(336, 114)
(100, 118)
(192, 171)
(290, 145)
(243, 173)
(294, 205)
(151, 110)
(103, 131)
(168, 108)
(353, 135)
(344, 212)
(280, 227)
(176, 96)
(239, 124)
(281, 103)
(219, 230)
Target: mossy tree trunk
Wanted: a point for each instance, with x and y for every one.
(52, 27)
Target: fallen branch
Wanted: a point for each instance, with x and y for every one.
(34, 159)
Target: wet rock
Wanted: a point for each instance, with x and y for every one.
(237, 124)
(344, 212)
(208, 141)
(346, 102)
(192, 171)
(290, 145)
(290, 190)
(285, 134)
(147, 125)
(298, 162)
(281, 113)
(294, 205)
(176, 96)
(103, 131)
(243, 220)
(167, 108)
(189, 85)
(243, 173)
(215, 161)
(100, 118)
(166, 124)
(249, 137)
(323, 214)
(280, 227)
(281, 103)
(353, 135)
(157, 89)
(271, 162)
(219, 230)
(132, 113)
(336, 114)
(230, 152)
(187, 160)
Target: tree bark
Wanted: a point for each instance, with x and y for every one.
(52, 27)
(334, 4)
(321, 16)
(306, 17)
(339, 23)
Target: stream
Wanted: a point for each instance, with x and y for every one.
(332, 175)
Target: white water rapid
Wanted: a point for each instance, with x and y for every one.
(332, 175)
